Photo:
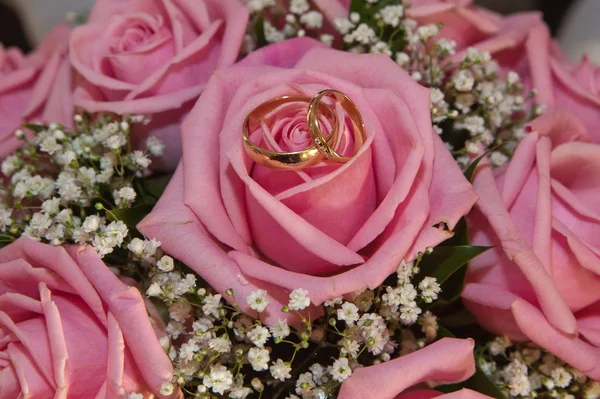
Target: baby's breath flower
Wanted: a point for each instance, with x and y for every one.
(167, 389)
(165, 264)
(340, 370)
(280, 330)
(212, 304)
(259, 336)
(219, 379)
(137, 246)
(155, 146)
(280, 370)
(257, 300)
(348, 313)
(258, 358)
(299, 299)
(140, 160)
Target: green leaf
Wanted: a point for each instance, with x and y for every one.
(34, 128)
(261, 39)
(358, 6)
(131, 216)
(157, 185)
(471, 169)
(444, 261)
(479, 382)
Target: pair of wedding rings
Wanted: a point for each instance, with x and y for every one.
(322, 148)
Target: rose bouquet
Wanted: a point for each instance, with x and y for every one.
(299, 199)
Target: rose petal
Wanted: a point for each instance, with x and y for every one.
(448, 360)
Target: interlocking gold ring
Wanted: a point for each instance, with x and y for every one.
(315, 127)
(288, 160)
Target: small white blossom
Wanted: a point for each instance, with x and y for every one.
(299, 6)
(10, 165)
(92, 223)
(154, 290)
(50, 145)
(259, 336)
(497, 158)
(219, 379)
(124, 196)
(299, 299)
(202, 325)
(258, 358)
(212, 304)
(561, 377)
(327, 39)
(343, 25)
(51, 206)
(364, 34)
(140, 159)
(5, 218)
(40, 222)
(348, 313)
(427, 31)
(167, 389)
(188, 350)
(155, 146)
(312, 20)
(257, 300)
(280, 330)
(350, 348)
(180, 311)
(464, 80)
(137, 246)
(402, 59)
(280, 370)
(392, 14)
(115, 142)
(166, 264)
(135, 395)
(340, 370)
(220, 344)
(429, 289)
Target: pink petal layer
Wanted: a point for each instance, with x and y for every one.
(448, 360)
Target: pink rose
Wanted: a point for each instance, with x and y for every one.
(472, 26)
(35, 87)
(154, 57)
(331, 229)
(541, 282)
(560, 84)
(69, 328)
(445, 361)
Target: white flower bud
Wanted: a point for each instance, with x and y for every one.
(167, 389)
(137, 246)
(165, 264)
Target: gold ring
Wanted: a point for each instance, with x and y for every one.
(287, 160)
(315, 127)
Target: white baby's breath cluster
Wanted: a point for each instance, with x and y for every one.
(477, 109)
(64, 185)
(222, 351)
(380, 28)
(527, 371)
(273, 21)
(475, 106)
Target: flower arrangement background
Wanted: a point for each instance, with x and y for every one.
(146, 255)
